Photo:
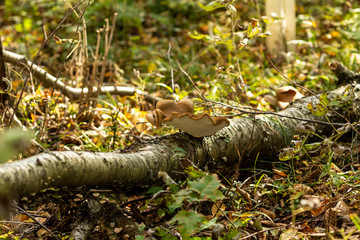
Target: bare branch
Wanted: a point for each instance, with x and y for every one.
(73, 93)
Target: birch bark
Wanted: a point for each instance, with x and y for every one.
(140, 163)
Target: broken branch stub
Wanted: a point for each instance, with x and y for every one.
(181, 116)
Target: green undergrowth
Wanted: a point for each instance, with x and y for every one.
(309, 192)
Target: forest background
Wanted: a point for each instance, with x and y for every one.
(174, 50)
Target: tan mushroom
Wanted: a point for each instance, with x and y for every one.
(284, 95)
(169, 106)
(180, 115)
(288, 94)
(164, 108)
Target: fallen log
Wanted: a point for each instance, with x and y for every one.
(140, 163)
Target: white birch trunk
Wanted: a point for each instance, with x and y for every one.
(141, 162)
(283, 30)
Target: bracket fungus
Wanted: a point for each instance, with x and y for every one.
(181, 115)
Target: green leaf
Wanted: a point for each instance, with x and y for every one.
(207, 187)
(182, 196)
(179, 153)
(165, 235)
(188, 222)
(198, 36)
(324, 99)
(320, 109)
(19, 28)
(154, 190)
(211, 6)
(208, 224)
(232, 8)
(165, 86)
(27, 24)
(194, 173)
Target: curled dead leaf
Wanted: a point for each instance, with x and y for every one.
(304, 189)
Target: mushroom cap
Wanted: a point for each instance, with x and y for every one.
(169, 106)
(155, 117)
(180, 115)
(288, 94)
(202, 125)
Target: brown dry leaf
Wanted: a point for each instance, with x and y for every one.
(137, 118)
(269, 213)
(268, 223)
(41, 233)
(257, 196)
(324, 206)
(279, 172)
(337, 217)
(335, 168)
(330, 219)
(289, 234)
(244, 195)
(215, 208)
(302, 188)
(316, 211)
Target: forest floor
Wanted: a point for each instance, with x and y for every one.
(311, 191)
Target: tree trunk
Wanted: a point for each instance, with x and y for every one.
(140, 163)
(282, 30)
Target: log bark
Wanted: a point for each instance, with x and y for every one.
(140, 163)
(87, 220)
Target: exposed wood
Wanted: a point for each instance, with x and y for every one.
(89, 216)
(344, 75)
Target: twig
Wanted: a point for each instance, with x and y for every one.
(3, 84)
(35, 220)
(187, 75)
(70, 92)
(239, 77)
(314, 94)
(293, 82)
(262, 231)
(252, 110)
(132, 201)
(225, 215)
(171, 69)
(257, 111)
(38, 53)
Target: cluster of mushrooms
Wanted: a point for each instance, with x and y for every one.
(181, 115)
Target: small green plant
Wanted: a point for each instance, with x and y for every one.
(187, 203)
(12, 142)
